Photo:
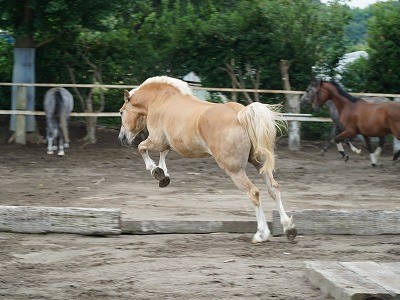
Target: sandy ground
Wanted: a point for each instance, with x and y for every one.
(213, 266)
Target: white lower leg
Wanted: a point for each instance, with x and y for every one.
(354, 149)
(50, 146)
(162, 164)
(378, 151)
(150, 164)
(263, 231)
(61, 150)
(374, 158)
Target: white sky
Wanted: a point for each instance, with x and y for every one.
(361, 3)
(358, 3)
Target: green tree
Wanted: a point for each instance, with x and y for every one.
(384, 43)
(34, 23)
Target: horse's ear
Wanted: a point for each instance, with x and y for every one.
(126, 96)
(321, 82)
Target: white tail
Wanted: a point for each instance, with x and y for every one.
(261, 122)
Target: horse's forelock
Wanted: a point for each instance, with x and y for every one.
(180, 85)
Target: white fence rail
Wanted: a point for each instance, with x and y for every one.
(286, 116)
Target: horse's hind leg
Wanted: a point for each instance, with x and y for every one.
(374, 155)
(273, 189)
(64, 130)
(50, 137)
(243, 183)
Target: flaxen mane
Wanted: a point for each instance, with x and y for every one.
(180, 85)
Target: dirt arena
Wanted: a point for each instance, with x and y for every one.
(203, 266)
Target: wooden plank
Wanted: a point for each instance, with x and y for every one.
(338, 281)
(394, 267)
(87, 221)
(376, 273)
(187, 227)
(328, 221)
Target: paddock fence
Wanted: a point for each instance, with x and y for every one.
(291, 118)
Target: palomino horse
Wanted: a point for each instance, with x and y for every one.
(231, 133)
(359, 116)
(58, 104)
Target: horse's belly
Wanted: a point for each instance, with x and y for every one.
(190, 149)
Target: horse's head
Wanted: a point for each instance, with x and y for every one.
(132, 118)
(317, 94)
(308, 96)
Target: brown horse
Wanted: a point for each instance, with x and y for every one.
(231, 133)
(359, 116)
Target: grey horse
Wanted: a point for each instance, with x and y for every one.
(58, 104)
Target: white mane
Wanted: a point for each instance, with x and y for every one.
(180, 85)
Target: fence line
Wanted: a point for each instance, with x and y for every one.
(194, 87)
(286, 116)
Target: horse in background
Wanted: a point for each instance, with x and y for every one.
(58, 104)
(336, 128)
(359, 116)
(231, 133)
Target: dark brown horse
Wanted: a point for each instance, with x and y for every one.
(359, 116)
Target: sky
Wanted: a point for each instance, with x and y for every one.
(358, 3)
(361, 3)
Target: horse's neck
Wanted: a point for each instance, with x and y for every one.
(340, 101)
(333, 111)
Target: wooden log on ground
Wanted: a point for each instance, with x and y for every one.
(187, 227)
(356, 280)
(86, 221)
(328, 221)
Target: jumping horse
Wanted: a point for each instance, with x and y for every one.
(58, 104)
(359, 116)
(231, 133)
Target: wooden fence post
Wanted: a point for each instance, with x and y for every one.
(20, 125)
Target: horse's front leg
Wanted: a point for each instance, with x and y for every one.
(159, 172)
(163, 166)
(339, 139)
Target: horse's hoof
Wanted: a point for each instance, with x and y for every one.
(61, 153)
(346, 158)
(158, 173)
(260, 237)
(374, 165)
(291, 234)
(165, 182)
(50, 152)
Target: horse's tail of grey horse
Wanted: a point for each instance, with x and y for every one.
(58, 104)
(261, 122)
(61, 113)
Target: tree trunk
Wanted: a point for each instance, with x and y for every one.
(292, 105)
(24, 72)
